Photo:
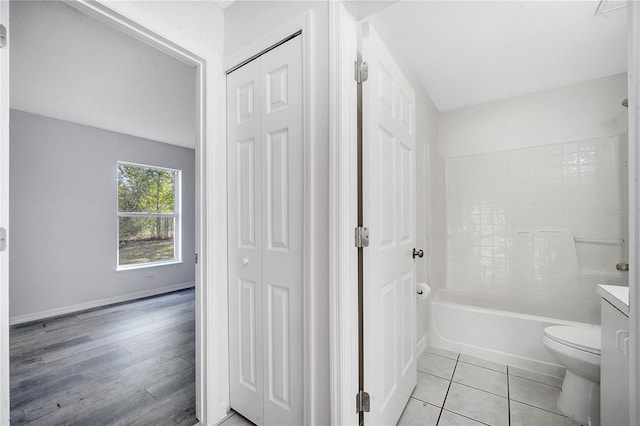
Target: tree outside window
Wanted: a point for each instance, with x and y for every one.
(148, 215)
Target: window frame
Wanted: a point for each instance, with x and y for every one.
(177, 215)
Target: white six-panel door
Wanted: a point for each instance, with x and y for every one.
(245, 240)
(264, 134)
(390, 371)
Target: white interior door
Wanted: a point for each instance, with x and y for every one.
(245, 240)
(4, 220)
(264, 125)
(282, 206)
(389, 206)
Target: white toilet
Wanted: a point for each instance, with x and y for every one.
(578, 349)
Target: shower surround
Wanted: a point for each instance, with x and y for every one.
(531, 233)
(534, 230)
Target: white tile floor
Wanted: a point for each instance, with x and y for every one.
(458, 390)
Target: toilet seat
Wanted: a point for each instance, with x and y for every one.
(586, 339)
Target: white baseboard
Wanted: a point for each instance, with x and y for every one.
(422, 345)
(500, 357)
(50, 313)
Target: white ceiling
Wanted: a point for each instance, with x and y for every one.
(471, 52)
(69, 66)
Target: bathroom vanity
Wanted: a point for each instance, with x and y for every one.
(614, 372)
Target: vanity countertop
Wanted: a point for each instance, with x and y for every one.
(617, 295)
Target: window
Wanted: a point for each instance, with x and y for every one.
(148, 215)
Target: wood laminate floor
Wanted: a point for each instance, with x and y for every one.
(125, 364)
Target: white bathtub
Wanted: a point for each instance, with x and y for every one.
(457, 324)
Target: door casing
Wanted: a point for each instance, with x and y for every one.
(302, 24)
(210, 387)
(343, 192)
(633, 71)
(343, 215)
(4, 220)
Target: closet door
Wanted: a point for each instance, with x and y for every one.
(282, 204)
(265, 157)
(244, 235)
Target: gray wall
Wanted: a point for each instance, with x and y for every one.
(63, 204)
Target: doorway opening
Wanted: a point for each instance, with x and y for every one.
(112, 142)
(445, 128)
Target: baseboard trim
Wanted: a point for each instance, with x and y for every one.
(50, 313)
(422, 345)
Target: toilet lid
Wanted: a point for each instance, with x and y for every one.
(583, 338)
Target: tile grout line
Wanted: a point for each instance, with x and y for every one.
(448, 387)
(467, 417)
(508, 398)
(434, 375)
(482, 366)
(541, 409)
(537, 381)
(480, 389)
(526, 403)
(508, 373)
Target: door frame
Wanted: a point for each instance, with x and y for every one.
(302, 24)
(633, 72)
(211, 391)
(5, 410)
(343, 166)
(343, 215)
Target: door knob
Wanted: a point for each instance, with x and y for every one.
(418, 253)
(622, 267)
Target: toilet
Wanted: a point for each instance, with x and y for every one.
(578, 349)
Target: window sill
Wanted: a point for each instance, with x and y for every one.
(147, 265)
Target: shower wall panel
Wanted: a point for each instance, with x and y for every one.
(534, 230)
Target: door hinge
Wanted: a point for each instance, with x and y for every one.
(361, 71)
(196, 257)
(362, 237)
(3, 36)
(362, 402)
(3, 239)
